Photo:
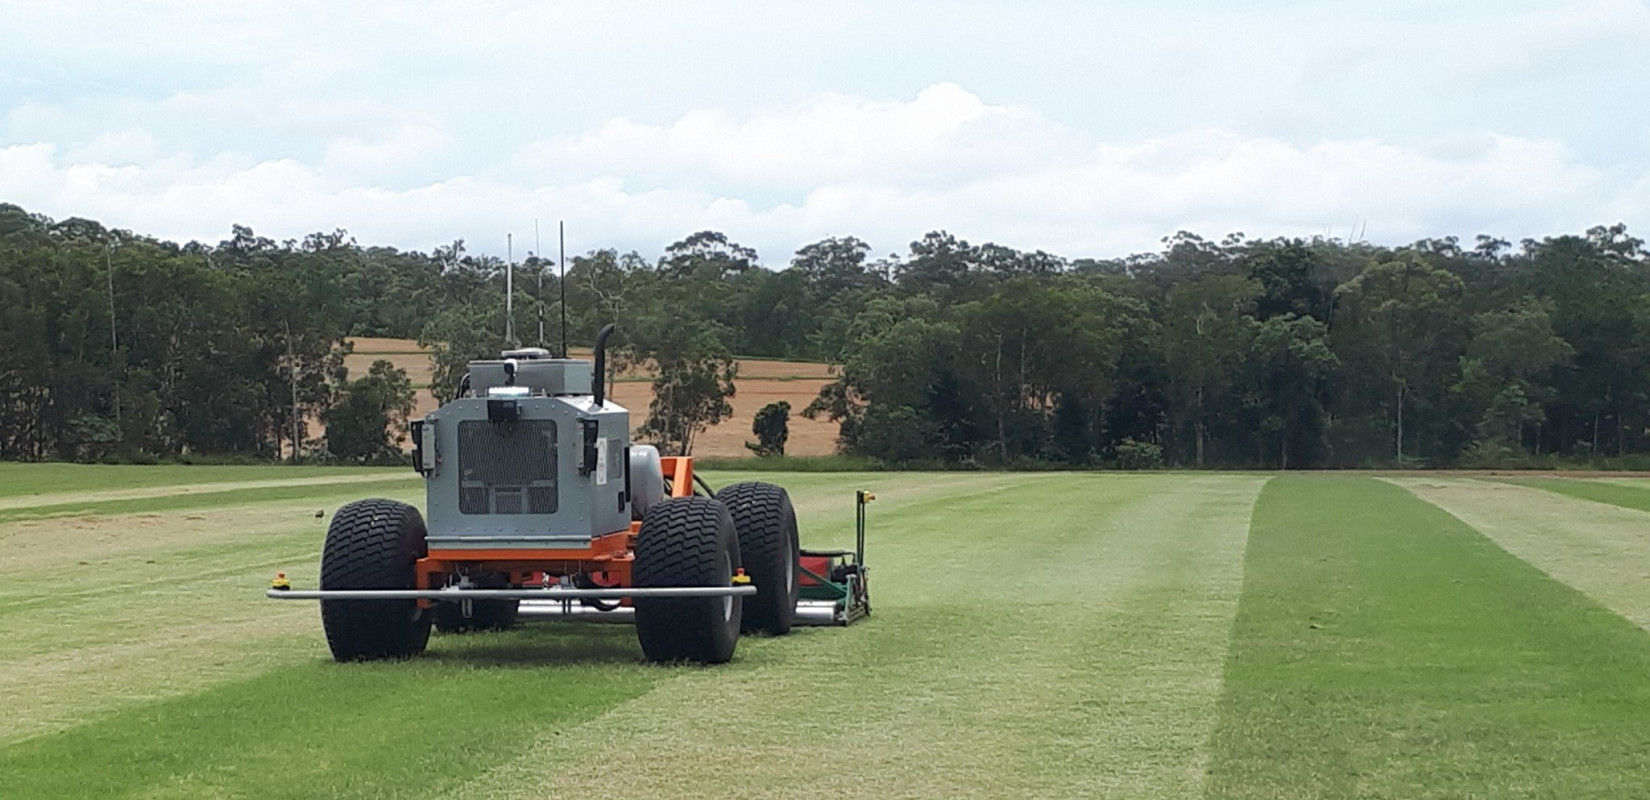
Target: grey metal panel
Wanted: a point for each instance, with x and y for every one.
(587, 505)
(553, 376)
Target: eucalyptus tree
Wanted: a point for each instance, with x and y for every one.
(1400, 323)
(1207, 330)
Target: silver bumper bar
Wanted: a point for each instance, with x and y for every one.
(808, 613)
(554, 594)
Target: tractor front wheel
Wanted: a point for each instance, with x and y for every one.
(373, 544)
(687, 541)
(766, 522)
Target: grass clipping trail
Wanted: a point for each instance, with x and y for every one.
(1041, 636)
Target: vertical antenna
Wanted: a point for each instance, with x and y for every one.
(114, 335)
(509, 291)
(538, 253)
(561, 227)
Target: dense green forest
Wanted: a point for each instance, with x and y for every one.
(1231, 353)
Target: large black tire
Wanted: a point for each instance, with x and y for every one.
(485, 615)
(766, 522)
(373, 544)
(687, 541)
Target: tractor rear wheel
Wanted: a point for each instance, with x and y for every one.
(687, 541)
(766, 522)
(373, 544)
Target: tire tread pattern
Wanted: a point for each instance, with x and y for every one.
(372, 544)
(682, 542)
(766, 522)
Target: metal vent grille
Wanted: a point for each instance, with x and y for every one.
(500, 465)
(472, 500)
(507, 501)
(541, 499)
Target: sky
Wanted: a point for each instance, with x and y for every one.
(1085, 129)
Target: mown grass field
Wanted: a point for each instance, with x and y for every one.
(1035, 635)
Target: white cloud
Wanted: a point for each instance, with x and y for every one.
(408, 143)
(114, 147)
(884, 171)
(944, 135)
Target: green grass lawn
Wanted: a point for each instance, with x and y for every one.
(1034, 635)
(1383, 648)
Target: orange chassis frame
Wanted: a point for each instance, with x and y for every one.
(607, 560)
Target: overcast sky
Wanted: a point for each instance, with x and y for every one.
(1086, 129)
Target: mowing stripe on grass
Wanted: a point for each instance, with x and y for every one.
(1603, 549)
(82, 642)
(232, 497)
(64, 689)
(1383, 648)
(317, 729)
(68, 548)
(18, 479)
(1034, 636)
(1626, 495)
(100, 614)
(62, 498)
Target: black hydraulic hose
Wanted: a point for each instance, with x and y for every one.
(709, 492)
(600, 388)
(584, 581)
(463, 386)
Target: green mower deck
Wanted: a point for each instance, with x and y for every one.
(834, 590)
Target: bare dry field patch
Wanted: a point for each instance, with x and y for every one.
(760, 382)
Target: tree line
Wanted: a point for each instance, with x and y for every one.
(1277, 353)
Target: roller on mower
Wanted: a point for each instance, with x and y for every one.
(539, 506)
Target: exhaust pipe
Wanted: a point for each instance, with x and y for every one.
(599, 390)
